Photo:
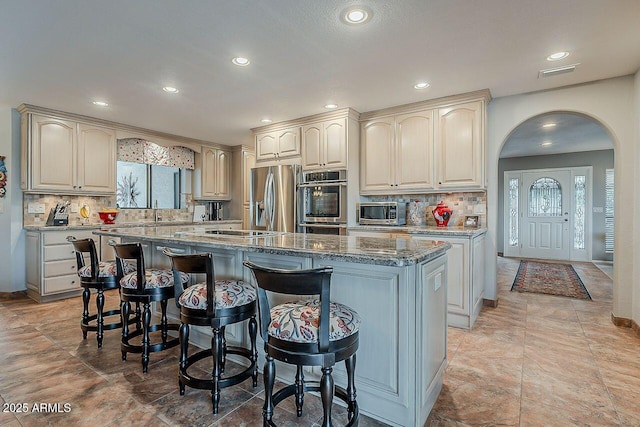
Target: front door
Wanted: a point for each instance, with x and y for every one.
(546, 202)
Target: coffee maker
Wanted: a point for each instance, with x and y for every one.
(215, 211)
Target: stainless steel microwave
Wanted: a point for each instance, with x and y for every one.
(382, 213)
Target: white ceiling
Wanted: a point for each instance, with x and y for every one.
(572, 132)
(64, 54)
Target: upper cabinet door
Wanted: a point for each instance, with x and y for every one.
(289, 142)
(53, 154)
(460, 146)
(414, 150)
(266, 146)
(312, 146)
(209, 175)
(377, 155)
(223, 162)
(96, 159)
(335, 144)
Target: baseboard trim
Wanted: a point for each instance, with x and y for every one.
(625, 322)
(493, 303)
(13, 295)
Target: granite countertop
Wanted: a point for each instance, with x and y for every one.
(452, 231)
(99, 225)
(365, 250)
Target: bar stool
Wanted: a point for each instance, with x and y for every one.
(144, 286)
(214, 303)
(98, 275)
(312, 332)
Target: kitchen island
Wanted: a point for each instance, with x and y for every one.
(398, 287)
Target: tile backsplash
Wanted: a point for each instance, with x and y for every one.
(95, 205)
(420, 206)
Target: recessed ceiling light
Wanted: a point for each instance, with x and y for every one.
(170, 89)
(557, 56)
(100, 103)
(240, 61)
(421, 85)
(549, 125)
(331, 106)
(356, 15)
(266, 120)
(546, 143)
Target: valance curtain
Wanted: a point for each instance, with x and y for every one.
(142, 151)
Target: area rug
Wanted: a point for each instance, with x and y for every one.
(549, 278)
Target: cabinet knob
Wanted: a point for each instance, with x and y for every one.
(73, 281)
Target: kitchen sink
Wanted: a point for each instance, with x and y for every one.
(242, 233)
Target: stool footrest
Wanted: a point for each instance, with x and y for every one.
(132, 348)
(340, 393)
(85, 324)
(207, 384)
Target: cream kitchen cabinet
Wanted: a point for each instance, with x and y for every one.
(427, 147)
(52, 269)
(465, 277)
(212, 176)
(243, 160)
(460, 148)
(278, 144)
(397, 154)
(324, 145)
(62, 156)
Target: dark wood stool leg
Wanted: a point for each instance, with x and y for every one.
(138, 317)
(163, 320)
(184, 345)
(146, 321)
(326, 393)
(216, 350)
(253, 332)
(86, 294)
(125, 311)
(223, 353)
(299, 390)
(269, 373)
(100, 318)
(350, 365)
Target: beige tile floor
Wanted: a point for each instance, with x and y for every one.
(534, 361)
(540, 360)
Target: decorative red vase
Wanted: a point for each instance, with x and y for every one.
(442, 214)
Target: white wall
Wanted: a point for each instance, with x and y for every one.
(12, 255)
(611, 102)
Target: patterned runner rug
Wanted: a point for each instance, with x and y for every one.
(550, 279)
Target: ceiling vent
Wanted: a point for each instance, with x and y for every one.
(549, 72)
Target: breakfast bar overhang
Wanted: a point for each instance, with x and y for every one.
(398, 286)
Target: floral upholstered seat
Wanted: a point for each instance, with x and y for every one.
(106, 269)
(299, 321)
(155, 278)
(228, 294)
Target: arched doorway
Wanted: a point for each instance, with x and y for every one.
(554, 200)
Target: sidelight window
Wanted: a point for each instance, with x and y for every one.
(514, 188)
(545, 198)
(608, 211)
(580, 203)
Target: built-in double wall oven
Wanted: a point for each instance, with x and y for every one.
(323, 201)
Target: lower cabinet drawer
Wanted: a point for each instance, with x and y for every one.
(61, 284)
(59, 252)
(60, 268)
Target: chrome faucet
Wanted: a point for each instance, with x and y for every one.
(157, 215)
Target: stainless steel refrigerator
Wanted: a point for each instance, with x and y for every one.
(273, 198)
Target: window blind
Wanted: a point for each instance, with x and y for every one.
(608, 211)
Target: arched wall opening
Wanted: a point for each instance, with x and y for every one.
(611, 104)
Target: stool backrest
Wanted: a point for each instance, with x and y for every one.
(193, 264)
(84, 246)
(127, 252)
(316, 281)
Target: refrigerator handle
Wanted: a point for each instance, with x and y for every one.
(272, 202)
(266, 201)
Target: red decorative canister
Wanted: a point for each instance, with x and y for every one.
(442, 214)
